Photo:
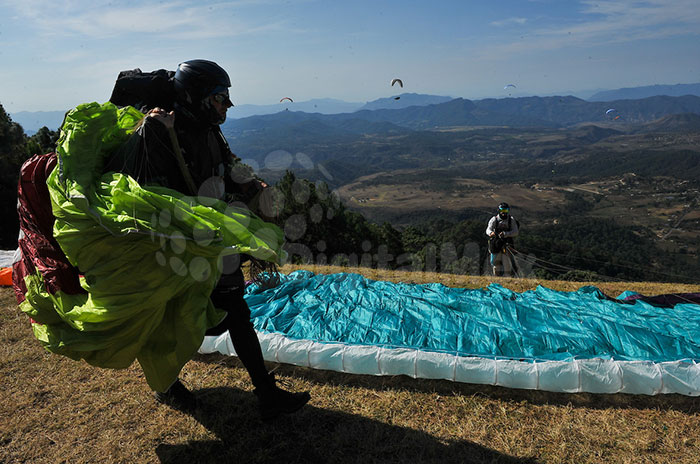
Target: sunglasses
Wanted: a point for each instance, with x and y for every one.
(503, 210)
(221, 97)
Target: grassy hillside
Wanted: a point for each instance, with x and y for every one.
(53, 409)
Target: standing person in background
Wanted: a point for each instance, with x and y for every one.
(501, 230)
(184, 149)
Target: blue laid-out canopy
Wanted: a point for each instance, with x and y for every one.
(544, 339)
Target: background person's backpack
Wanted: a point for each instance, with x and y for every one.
(517, 223)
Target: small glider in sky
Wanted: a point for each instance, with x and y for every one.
(286, 98)
(509, 85)
(399, 81)
(610, 111)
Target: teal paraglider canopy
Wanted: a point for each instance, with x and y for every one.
(580, 341)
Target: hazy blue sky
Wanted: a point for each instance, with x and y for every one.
(55, 55)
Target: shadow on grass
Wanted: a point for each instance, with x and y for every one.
(670, 402)
(312, 435)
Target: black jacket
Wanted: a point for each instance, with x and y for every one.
(149, 157)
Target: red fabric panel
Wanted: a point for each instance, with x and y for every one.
(39, 249)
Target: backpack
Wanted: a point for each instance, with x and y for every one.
(510, 223)
(145, 90)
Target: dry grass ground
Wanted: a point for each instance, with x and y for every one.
(55, 410)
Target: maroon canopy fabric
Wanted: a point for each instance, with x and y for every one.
(39, 248)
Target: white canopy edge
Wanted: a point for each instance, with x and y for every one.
(593, 375)
(7, 257)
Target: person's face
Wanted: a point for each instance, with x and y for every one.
(221, 102)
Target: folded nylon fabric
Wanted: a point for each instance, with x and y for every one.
(537, 324)
(149, 256)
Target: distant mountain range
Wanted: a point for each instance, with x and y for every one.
(321, 105)
(522, 111)
(633, 93)
(404, 100)
(350, 145)
(545, 112)
(32, 121)
(333, 106)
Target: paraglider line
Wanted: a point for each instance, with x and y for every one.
(563, 269)
(606, 262)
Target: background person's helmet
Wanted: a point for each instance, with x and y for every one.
(194, 81)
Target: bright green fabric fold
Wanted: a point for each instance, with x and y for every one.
(150, 256)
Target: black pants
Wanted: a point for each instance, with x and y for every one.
(228, 296)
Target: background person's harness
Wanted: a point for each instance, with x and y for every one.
(499, 244)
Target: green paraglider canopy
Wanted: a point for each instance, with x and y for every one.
(149, 257)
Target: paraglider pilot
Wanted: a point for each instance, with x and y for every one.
(190, 126)
(501, 230)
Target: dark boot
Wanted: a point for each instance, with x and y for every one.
(178, 397)
(274, 401)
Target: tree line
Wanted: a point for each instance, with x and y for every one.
(15, 148)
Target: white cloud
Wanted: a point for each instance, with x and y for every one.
(609, 22)
(172, 20)
(651, 17)
(509, 21)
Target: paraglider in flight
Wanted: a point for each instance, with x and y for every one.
(396, 98)
(612, 113)
(394, 81)
(505, 87)
(286, 98)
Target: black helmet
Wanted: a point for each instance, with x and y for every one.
(194, 81)
(503, 206)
